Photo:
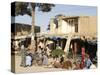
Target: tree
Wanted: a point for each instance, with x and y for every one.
(21, 8)
(56, 20)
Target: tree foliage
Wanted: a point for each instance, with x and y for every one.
(21, 8)
(57, 52)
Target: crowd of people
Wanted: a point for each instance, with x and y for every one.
(44, 58)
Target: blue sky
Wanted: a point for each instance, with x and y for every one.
(42, 18)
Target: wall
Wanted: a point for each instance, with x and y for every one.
(87, 24)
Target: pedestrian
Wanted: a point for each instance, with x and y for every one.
(61, 59)
(39, 50)
(48, 51)
(83, 56)
(23, 56)
(45, 60)
(88, 62)
(28, 60)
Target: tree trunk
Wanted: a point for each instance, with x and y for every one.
(33, 30)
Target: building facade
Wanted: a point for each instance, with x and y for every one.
(18, 29)
(74, 24)
(21, 34)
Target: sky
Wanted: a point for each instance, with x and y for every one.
(42, 18)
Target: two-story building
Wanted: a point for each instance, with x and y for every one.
(74, 24)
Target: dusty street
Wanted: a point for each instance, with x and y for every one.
(33, 68)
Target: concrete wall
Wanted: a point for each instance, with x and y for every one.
(52, 26)
(87, 24)
(66, 28)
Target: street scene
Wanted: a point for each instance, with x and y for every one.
(53, 37)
